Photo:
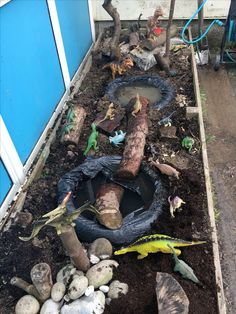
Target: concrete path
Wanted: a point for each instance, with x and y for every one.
(218, 93)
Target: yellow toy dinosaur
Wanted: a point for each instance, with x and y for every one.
(156, 243)
(109, 114)
(137, 106)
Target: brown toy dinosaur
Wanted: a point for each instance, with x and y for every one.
(109, 114)
(137, 106)
(119, 67)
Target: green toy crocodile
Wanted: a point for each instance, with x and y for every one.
(92, 141)
(155, 243)
(70, 122)
(188, 142)
(184, 269)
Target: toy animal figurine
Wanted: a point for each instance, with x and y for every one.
(137, 106)
(59, 218)
(118, 138)
(175, 203)
(187, 143)
(153, 23)
(70, 122)
(92, 141)
(155, 243)
(167, 121)
(119, 67)
(109, 114)
(184, 269)
(165, 169)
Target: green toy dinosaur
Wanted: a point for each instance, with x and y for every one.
(155, 243)
(92, 141)
(188, 142)
(59, 217)
(184, 269)
(70, 122)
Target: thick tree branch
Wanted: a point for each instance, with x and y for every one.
(107, 5)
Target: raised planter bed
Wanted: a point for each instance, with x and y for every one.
(196, 221)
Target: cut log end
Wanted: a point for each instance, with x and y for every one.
(107, 203)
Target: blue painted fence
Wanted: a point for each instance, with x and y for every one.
(32, 83)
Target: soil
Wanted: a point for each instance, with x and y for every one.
(17, 257)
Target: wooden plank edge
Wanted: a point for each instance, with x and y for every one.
(218, 273)
(35, 170)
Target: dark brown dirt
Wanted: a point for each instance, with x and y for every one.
(17, 258)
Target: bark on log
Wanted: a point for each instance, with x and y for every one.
(135, 141)
(107, 203)
(74, 129)
(42, 279)
(74, 248)
(107, 5)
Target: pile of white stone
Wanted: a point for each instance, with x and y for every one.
(78, 292)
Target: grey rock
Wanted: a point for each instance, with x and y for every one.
(171, 298)
(27, 305)
(117, 288)
(77, 287)
(50, 307)
(58, 291)
(92, 304)
(65, 273)
(100, 247)
(101, 273)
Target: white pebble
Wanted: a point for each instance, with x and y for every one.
(89, 290)
(94, 259)
(104, 288)
(27, 305)
(58, 291)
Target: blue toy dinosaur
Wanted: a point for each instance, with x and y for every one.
(118, 138)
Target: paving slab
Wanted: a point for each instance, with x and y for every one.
(218, 93)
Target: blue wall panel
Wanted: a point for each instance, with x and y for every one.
(76, 31)
(5, 182)
(31, 79)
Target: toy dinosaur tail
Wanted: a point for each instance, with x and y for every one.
(106, 66)
(187, 243)
(122, 251)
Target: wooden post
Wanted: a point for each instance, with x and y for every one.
(168, 35)
(74, 248)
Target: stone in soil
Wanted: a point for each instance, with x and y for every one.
(77, 287)
(101, 273)
(171, 297)
(93, 304)
(27, 305)
(100, 247)
(167, 132)
(116, 289)
(58, 291)
(108, 126)
(50, 307)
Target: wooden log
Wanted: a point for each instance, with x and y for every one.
(74, 248)
(73, 125)
(27, 287)
(112, 11)
(107, 203)
(135, 141)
